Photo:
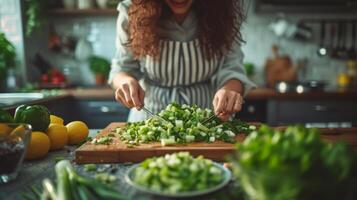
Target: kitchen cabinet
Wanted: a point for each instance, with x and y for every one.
(319, 112)
(97, 114)
(83, 12)
(254, 111)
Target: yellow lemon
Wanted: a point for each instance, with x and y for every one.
(77, 132)
(58, 136)
(39, 146)
(56, 120)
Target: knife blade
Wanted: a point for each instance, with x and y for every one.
(155, 116)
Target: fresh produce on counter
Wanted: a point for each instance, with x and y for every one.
(5, 117)
(58, 136)
(178, 172)
(77, 132)
(39, 146)
(38, 116)
(294, 164)
(48, 131)
(70, 185)
(185, 127)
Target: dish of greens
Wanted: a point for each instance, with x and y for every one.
(185, 127)
(178, 175)
(294, 164)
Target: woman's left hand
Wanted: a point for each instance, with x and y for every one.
(226, 102)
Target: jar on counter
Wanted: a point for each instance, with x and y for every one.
(69, 4)
(85, 4)
(352, 72)
(343, 80)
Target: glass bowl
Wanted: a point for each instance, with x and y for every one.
(14, 141)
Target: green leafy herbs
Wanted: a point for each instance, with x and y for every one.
(99, 65)
(178, 172)
(35, 14)
(85, 141)
(294, 164)
(70, 185)
(185, 127)
(7, 55)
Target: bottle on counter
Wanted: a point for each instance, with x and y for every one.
(11, 80)
(352, 72)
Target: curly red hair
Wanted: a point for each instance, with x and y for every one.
(219, 24)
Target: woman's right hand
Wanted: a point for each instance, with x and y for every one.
(129, 92)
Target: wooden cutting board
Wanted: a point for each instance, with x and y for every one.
(118, 152)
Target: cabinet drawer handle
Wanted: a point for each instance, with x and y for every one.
(251, 109)
(320, 108)
(107, 109)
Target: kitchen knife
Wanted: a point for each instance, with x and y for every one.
(156, 116)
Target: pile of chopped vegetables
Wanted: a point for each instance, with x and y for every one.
(185, 126)
(178, 172)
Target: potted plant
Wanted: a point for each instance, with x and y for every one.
(7, 58)
(100, 67)
(35, 14)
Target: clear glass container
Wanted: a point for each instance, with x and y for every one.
(14, 141)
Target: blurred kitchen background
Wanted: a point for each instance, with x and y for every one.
(301, 53)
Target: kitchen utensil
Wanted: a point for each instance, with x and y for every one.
(69, 4)
(322, 51)
(83, 50)
(14, 141)
(342, 52)
(85, 4)
(336, 49)
(155, 116)
(332, 38)
(284, 28)
(208, 119)
(352, 51)
(102, 4)
(300, 87)
(118, 151)
(279, 68)
(226, 178)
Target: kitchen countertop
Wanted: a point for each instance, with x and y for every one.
(257, 94)
(33, 172)
(266, 93)
(106, 93)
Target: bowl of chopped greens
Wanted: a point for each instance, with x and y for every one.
(294, 163)
(178, 175)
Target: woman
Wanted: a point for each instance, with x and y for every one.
(187, 51)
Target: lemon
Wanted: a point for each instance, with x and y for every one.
(77, 132)
(56, 120)
(58, 136)
(39, 146)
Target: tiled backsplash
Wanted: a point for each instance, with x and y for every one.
(259, 40)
